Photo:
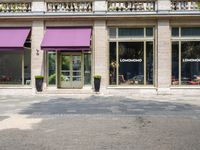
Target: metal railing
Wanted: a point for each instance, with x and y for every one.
(136, 5)
(190, 5)
(15, 7)
(69, 7)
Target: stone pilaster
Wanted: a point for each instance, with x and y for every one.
(164, 57)
(101, 51)
(37, 56)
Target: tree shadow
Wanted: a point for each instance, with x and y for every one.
(113, 105)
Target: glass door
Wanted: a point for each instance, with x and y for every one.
(71, 71)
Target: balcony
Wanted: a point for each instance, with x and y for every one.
(70, 7)
(131, 6)
(183, 5)
(15, 7)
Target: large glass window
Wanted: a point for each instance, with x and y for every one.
(113, 63)
(51, 68)
(15, 67)
(87, 68)
(131, 61)
(186, 58)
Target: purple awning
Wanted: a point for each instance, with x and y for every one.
(71, 39)
(13, 38)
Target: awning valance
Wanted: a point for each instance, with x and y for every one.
(13, 38)
(72, 39)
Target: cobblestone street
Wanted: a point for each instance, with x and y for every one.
(99, 122)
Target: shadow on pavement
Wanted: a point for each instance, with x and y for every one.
(109, 105)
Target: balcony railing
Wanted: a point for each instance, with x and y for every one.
(190, 5)
(15, 7)
(69, 7)
(130, 6)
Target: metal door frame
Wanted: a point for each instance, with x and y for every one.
(60, 54)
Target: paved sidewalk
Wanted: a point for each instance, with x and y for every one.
(85, 122)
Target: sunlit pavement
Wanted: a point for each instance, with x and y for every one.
(90, 122)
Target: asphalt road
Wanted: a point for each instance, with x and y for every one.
(99, 123)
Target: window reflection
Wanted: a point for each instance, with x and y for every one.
(52, 68)
(190, 63)
(113, 64)
(175, 63)
(87, 69)
(149, 63)
(131, 63)
(11, 67)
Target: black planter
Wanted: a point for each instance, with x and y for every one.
(39, 83)
(97, 83)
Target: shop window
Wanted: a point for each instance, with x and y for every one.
(149, 32)
(149, 63)
(175, 63)
(190, 63)
(51, 68)
(112, 32)
(15, 67)
(87, 68)
(175, 32)
(113, 63)
(131, 62)
(131, 32)
(186, 57)
(187, 31)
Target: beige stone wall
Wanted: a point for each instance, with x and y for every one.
(37, 56)
(163, 56)
(100, 52)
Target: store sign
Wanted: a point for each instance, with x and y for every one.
(130, 60)
(191, 60)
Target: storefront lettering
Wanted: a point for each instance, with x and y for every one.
(130, 60)
(191, 60)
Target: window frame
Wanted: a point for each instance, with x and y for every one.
(22, 54)
(181, 39)
(131, 39)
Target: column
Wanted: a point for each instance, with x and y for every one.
(163, 57)
(37, 56)
(101, 52)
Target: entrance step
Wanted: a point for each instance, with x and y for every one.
(68, 91)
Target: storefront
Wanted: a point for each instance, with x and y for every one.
(15, 57)
(68, 52)
(185, 56)
(131, 56)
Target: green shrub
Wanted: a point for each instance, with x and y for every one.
(97, 77)
(39, 77)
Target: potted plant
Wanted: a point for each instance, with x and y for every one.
(97, 82)
(39, 82)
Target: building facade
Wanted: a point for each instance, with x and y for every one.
(138, 46)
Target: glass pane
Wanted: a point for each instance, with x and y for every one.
(175, 32)
(190, 66)
(11, 67)
(52, 68)
(112, 32)
(149, 63)
(65, 69)
(112, 61)
(175, 63)
(76, 63)
(27, 66)
(87, 69)
(190, 31)
(128, 32)
(131, 63)
(149, 32)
